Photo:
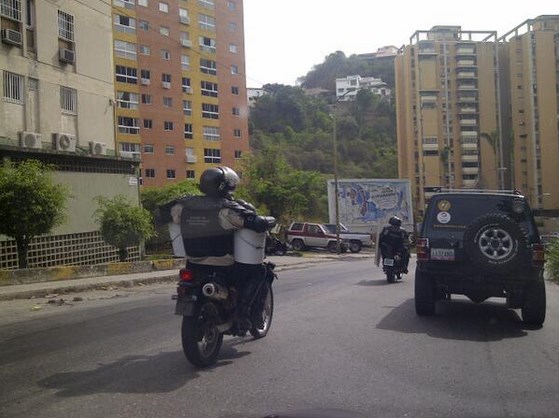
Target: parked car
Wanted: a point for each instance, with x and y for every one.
(357, 240)
(304, 235)
(480, 245)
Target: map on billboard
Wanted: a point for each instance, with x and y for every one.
(371, 201)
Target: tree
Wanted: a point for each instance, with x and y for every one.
(31, 203)
(123, 224)
(152, 197)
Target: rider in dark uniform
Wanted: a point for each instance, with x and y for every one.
(395, 238)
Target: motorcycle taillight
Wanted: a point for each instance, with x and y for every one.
(186, 275)
(422, 249)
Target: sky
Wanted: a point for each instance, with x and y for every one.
(284, 39)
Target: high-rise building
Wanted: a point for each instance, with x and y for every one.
(529, 58)
(180, 86)
(447, 111)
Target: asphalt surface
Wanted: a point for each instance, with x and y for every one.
(34, 290)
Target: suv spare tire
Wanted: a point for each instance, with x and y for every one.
(496, 243)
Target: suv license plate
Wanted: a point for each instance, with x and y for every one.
(442, 254)
(388, 262)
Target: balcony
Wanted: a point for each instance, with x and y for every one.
(466, 63)
(470, 158)
(469, 183)
(466, 74)
(470, 170)
(468, 122)
(462, 87)
(467, 109)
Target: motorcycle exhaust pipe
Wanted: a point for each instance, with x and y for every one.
(215, 291)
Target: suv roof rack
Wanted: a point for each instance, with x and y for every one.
(447, 190)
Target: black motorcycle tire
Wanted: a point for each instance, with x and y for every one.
(390, 276)
(281, 249)
(201, 341)
(263, 311)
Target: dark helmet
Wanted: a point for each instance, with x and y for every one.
(395, 221)
(218, 181)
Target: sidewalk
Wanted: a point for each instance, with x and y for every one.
(26, 291)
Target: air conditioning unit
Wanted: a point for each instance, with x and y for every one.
(64, 142)
(12, 37)
(66, 55)
(97, 148)
(130, 154)
(145, 81)
(184, 20)
(166, 84)
(190, 158)
(187, 89)
(187, 43)
(30, 140)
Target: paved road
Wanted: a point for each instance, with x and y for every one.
(343, 343)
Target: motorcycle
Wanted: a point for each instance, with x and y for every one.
(274, 246)
(393, 265)
(208, 302)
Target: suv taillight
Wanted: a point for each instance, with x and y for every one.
(538, 255)
(422, 249)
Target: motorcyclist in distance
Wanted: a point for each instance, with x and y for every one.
(395, 238)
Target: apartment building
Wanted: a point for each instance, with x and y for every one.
(529, 58)
(180, 86)
(347, 87)
(447, 111)
(57, 107)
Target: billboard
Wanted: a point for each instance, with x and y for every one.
(366, 204)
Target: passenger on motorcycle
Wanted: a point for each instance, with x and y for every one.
(207, 226)
(395, 238)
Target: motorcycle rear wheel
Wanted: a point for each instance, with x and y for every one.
(264, 310)
(390, 277)
(201, 341)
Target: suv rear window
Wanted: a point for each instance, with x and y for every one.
(296, 226)
(454, 213)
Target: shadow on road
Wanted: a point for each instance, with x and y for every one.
(381, 282)
(457, 320)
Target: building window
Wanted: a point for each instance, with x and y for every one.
(165, 55)
(148, 124)
(206, 22)
(236, 111)
(125, 24)
(65, 26)
(233, 48)
(168, 126)
(187, 107)
(13, 87)
(144, 25)
(144, 50)
(143, 3)
(208, 66)
(185, 39)
(207, 44)
(207, 4)
(128, 4)
(208, 88)
(235, 90)
(170, 174)
(127, 100)
(130, 147)
(185, 62)
(166, 78)
(163, 7)
(126, 75)
(168, 101)
(238, 154)
(183, 16)
(126, 50)
(210, 111)
(148, 149)
(234, 70)
(231, 5)
(212, 155)
(11, 9)
(146, 99)
(150, 172)
(190, 175)
(170, 150)
(186, 85)
(232, 27)
(164, 30)
(188, 131)
(68, 100)
(145, 75)
(127, 125)
(237, 133)
(211, 133)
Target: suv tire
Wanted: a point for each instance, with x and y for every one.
(495, 243)
(533, 309)
(355, 246)
(298, 245)
(424, 294)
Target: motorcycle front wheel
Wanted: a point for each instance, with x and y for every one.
(201, 341)
(263, 312)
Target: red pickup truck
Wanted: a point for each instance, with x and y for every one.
(303, 235)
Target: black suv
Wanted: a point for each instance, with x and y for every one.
(481, 245)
